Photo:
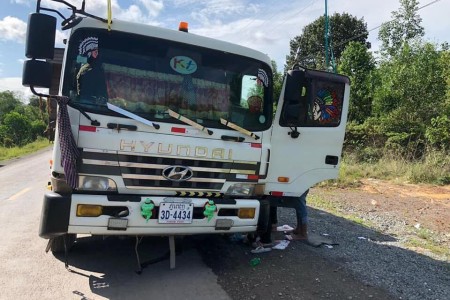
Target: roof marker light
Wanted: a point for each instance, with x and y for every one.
(183, 26)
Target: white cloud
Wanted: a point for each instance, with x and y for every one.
(154, 7)
(99, 8)
(12, 29)
(269, 33)
(216, 11)
(14, 84)
(27, 2)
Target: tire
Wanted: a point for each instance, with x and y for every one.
(57, 243)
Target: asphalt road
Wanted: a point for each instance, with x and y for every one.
(207, 267)
(99, 269)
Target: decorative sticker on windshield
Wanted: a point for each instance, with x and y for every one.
(183, 65)
(262, 76)
(327, 107)
(88, 46)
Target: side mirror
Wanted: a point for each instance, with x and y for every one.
(37, 73)
(41, 31)
(40, 44)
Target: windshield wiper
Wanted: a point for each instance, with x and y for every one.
(188, 121)
(132, 116)
(239, 128)
(78, 107)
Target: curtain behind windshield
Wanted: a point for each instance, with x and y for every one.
(147, 76)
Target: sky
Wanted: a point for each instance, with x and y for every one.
(264, 25)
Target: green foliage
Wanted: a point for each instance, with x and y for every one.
(8, 102)
(17, 128)
(310, 44)
(358, 63)
(37, 129)
(20, 123)
(411, 93)
(445, 62)
(277, 82)
(412, 82)
(403, 28)
(438, 134)
(433, 168)
(365, 141)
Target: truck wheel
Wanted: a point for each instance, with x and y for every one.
(57, 243)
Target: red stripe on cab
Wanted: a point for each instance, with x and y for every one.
(88, 128)
(178, 130)
(255, 145)
(253, 177)
(277, 194)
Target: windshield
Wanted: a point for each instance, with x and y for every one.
(147, 76)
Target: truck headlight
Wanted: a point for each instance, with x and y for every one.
(95, 183)
(240, 189)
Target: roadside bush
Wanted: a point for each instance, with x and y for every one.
(37, 129)
(438, 134)
(17, 128)
(365, 141)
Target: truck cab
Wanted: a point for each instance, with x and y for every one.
(164, 132)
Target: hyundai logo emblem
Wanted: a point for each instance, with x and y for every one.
(177, 173)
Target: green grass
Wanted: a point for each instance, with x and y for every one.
(432, 169)
(428, 245)
(9, 153)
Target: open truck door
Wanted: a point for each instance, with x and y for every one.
(308, 131)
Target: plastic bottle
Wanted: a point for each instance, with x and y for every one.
(255, 261)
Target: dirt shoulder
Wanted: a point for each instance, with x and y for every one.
(382, 237)
(402, 210)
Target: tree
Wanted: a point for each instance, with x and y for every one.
(403, 28)
(16, 129)
(39, 103)
(310, 44)
(412, 93)
(358, 63)
(277, 82)
(8, 102)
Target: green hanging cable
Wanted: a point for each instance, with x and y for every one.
(326, 35)
(333, 61)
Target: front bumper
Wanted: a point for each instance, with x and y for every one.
(59, 216)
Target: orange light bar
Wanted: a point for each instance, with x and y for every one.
(246, 213)
(183, 26)
(283, 179)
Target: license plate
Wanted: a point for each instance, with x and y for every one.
(117, 224)
(175, 213)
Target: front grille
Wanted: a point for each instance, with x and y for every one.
(145, 171)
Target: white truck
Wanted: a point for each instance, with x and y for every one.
(174, 133)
